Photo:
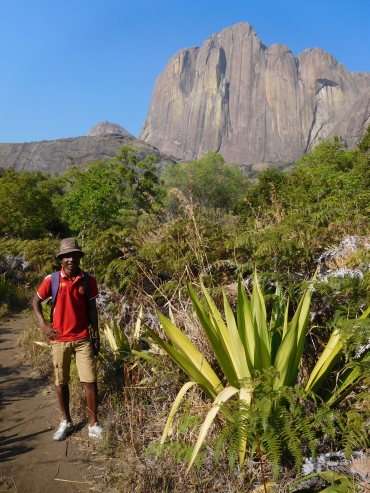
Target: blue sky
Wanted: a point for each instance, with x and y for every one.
(68, 64)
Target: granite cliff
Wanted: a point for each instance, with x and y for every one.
(57, 156)
(252, 103)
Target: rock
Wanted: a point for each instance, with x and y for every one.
(57, 156)
(105, 127)
(353, 124)
(252, 103)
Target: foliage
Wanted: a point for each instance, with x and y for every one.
(26, 209)
(93, 196)
(340, 483)
(119, 343)
(142, 253)
(100, 194)
(4, 287)
(248, 347)
(325, 198)
(157, 258)
(208, 182)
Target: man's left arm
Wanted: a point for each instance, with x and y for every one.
(93, 317)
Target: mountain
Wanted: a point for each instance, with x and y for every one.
(252, 103)
(57, 156)
(105, 127)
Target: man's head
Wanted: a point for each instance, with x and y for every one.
(69, 246)
(70, 255)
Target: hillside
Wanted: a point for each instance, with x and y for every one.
(57, 156)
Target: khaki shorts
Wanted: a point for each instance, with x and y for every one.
(83, 351)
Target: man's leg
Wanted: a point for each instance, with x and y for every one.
(62, 360)
(92, 402)
(62, 352)
(87, 372)
(63, 397)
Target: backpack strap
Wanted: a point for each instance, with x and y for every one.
(86, 285)
(54, 292)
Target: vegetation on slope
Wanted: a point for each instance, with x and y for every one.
(146, 237)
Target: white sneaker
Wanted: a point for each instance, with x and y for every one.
(95, 431)
(65, 427)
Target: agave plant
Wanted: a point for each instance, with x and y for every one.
(118, 341)
(340, 483)
(245, 346)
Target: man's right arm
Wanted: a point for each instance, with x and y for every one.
(48, 329)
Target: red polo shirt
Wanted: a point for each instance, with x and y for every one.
(70, 317)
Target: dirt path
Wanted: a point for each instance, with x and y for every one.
(30, 461)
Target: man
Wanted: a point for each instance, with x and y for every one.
(69, 333)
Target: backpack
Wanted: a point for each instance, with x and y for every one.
(55, 288)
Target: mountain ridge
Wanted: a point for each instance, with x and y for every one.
(250, 102)
(57, 156)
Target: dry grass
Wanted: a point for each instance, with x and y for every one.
(38, 356)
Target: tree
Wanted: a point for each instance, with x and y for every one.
(364, 144)
(26, 210)
(208, 182)
(93, 196)
(101, 194)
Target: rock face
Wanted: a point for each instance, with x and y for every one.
(57, 156)
(105, 127)
(353, 124)
(252, 103)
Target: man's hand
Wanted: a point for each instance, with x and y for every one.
(50, 332)
(96, 345)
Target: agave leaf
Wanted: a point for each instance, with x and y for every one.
(236, 349)
(215, 339)
(225, 337)
(259, 316)
(135, 341)
(121, 338)
(247, 329)
(41, 343)
(174, 408)
(111, 339)
(285, 326)
(191, 352)
(277, 322)
(172, 318)
(278, 310)
(327, 360)
(344, 484)
(222, 397)
(151, 359)
(289, 354)
(366, 313)
(185, 364)
(302, 333)
(349, 380)
(245, 397)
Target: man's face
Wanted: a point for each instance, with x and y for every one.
(71, 263)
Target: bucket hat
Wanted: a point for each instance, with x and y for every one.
(69, 245)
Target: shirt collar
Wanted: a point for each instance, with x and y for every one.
(63, 274)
